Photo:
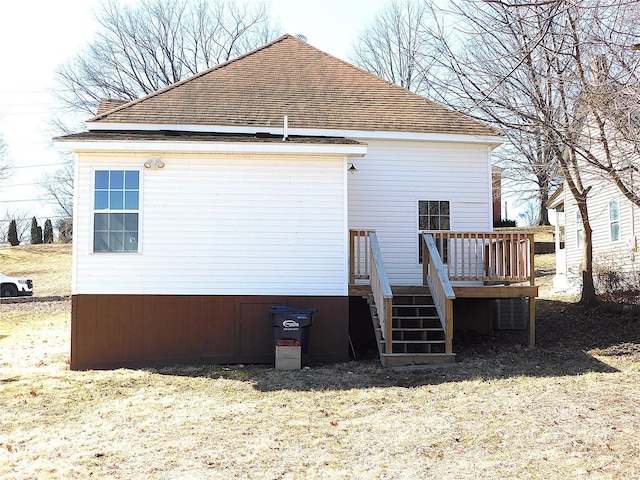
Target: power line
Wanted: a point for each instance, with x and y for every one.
(23, 219)
(32, 184)
(28, 200)
(38, 165)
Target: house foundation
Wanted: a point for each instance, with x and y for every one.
(111, 331)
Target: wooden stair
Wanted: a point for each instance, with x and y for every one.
(417, 334)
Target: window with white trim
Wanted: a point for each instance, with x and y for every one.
(614, 221)
(116, 210)
(433, 215)
(579, 229)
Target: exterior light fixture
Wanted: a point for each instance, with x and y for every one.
(352, 169)
(154, 163)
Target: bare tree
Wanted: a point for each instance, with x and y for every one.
(530, 168)
(5, 161)
(142, 48)
(23, 225)
(58, 187)
(395, 47)
(524, 66)
(531, 214)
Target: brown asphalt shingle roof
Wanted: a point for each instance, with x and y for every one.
(290, 77)
(107, 104)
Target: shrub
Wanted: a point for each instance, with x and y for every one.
(65, 230)
(504, 223)
(612, 283)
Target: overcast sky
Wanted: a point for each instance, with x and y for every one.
(36, 36)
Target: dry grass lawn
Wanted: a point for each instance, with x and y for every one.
(49, 266)
(567, 409)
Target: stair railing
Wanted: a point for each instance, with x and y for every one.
(381, 290)
(435, 276)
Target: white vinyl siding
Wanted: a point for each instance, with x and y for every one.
(223, 225)
(395, 175)
(619, 253)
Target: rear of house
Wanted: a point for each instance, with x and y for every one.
(201, 206)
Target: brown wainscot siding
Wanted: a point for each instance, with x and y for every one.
(110, 331)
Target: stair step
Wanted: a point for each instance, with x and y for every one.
(415, 342)
(416, 333)
(413, 304)
(418, 329)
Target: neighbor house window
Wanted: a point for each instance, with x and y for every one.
(579, 229)
(116, 204)
(433, 215)
(614, 221)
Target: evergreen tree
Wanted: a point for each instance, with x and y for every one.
(39, 235)
(36, 237)
(13, 234)
(48, 231)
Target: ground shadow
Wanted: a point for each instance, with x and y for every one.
(568, 337)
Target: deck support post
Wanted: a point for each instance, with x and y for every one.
(449, 330)
(532, 321)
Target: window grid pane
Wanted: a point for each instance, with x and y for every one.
(615, 231)
(433, 215)
(116, 194)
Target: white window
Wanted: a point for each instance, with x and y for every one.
(614, 221)
(433, 215)
(579, 229)
(116, 204)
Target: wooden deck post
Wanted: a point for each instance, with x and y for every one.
(532, 253)
(388, 334)
(532, 321)
(352, 259)
(449, 330)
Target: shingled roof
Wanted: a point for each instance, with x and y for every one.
(290, 77)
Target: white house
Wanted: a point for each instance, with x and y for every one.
(615, 222)
(202, 205)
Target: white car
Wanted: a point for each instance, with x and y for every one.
(15, 286)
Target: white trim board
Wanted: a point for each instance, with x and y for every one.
(494, 141)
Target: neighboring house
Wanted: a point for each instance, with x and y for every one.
(204, 204)
(615, 222)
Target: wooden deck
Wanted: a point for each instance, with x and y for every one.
(489, 265)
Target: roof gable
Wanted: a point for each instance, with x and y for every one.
(290, 77)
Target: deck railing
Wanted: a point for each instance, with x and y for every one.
(435, 276)
(498, 257)
(360, 256)
(367, 267)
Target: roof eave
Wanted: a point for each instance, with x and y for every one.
(491, 140)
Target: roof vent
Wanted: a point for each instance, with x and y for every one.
(301, 37)
(285, 129)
